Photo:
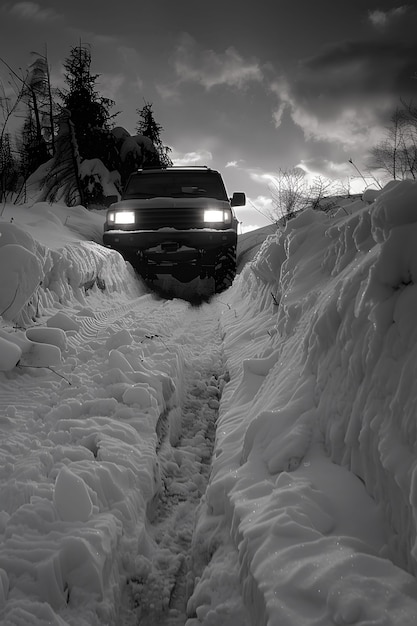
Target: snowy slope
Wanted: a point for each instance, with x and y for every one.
(309, 516)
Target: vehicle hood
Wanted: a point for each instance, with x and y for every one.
(170, 203)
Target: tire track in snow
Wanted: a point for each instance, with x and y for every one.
(160, 589)
(91, 325)
(43, 384)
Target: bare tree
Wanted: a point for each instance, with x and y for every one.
(288, 191)
(33, 91)
(8, 165)
(396, 155)
(33, 88)
(39, 86)
(63, 178)
(410, 113)
(292, 191)
(322, 192)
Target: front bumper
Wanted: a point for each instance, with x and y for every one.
(141, 240)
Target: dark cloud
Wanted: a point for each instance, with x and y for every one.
(364, 68)
(210, 68)
(346, 93)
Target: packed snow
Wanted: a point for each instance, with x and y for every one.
(110, 512)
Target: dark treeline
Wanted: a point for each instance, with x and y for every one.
(68, 137)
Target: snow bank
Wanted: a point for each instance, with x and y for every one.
(79, 464)
(248, 244)
(315, 464)
(45, 261)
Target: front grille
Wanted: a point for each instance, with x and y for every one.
(179, 218)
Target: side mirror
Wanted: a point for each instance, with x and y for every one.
(238, 199)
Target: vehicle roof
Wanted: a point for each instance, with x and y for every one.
(175, 168)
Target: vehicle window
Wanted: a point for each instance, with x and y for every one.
(175, 184)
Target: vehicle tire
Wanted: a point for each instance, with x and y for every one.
(225, 269)
(131, 257)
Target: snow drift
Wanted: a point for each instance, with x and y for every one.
(315, 466)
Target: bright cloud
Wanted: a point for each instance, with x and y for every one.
(198, 157)
(353, 125)
(210, 68)
(235, 163)
(278, 113)
(263, 205)
(264, 178)
(320, 166)
(33, 11)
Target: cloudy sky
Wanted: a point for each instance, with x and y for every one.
(248, 88)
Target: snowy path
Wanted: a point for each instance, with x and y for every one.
(137, 390)
(161, 594)
(164, 581)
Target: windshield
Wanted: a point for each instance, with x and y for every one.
(176, 185)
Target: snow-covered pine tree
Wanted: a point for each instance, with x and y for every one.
(90, 118)
(135, 152)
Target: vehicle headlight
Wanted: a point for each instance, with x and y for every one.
(124, 217)
(213, 215)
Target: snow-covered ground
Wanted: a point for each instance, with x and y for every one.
(108, 398)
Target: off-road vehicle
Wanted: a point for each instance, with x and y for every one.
(178, 221)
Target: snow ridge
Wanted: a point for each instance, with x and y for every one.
(320, 345)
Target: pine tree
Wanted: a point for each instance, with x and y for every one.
(148, 127)
(31, 147)
(9, 171)
(90, 112)
(90, 118)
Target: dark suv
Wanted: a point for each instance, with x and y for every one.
(178, 221)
